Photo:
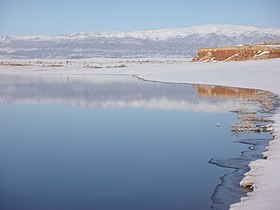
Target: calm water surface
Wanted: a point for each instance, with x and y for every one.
(111, 142)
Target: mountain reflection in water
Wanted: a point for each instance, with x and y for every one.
(136, 158)
(118, 91)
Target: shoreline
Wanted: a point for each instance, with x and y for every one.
(263, 175)
(248, 180)
(263, 75)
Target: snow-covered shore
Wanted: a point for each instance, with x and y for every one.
(263, 74)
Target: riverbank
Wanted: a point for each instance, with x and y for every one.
(264, 74)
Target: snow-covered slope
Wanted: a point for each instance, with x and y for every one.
(164, 42)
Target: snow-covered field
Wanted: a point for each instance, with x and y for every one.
(264, 74)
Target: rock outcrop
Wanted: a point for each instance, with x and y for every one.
(237, 53)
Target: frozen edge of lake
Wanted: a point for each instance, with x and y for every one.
(264, 74)
(264, 174)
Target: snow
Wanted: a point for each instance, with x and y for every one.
(261, 74)
(262, 53)
(164, 42)
(160, 34)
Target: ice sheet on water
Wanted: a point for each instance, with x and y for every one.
(235, 163)
(229, 190)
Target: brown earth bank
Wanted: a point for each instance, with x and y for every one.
(238, 53)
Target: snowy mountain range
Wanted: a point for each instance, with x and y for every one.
(150, 43)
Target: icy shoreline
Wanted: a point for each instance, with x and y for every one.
(265, 75)
(263, 174)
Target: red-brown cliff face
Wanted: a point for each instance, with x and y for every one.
(238, 53)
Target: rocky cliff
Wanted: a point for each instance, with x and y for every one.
(238, 53)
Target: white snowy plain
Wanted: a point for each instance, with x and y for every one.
(262, 74)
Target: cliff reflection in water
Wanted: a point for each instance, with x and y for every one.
(117, 91)
(225, 92)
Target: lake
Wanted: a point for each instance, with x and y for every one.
(114, 142)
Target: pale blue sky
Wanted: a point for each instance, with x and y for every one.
(30, 17)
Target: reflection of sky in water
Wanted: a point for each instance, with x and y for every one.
(109, 155)
(108, 91)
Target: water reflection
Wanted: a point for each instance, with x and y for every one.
(229, 190)
(225, 92)
(117, 91)
(135, 158)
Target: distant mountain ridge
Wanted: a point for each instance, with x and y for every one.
(149, 43)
